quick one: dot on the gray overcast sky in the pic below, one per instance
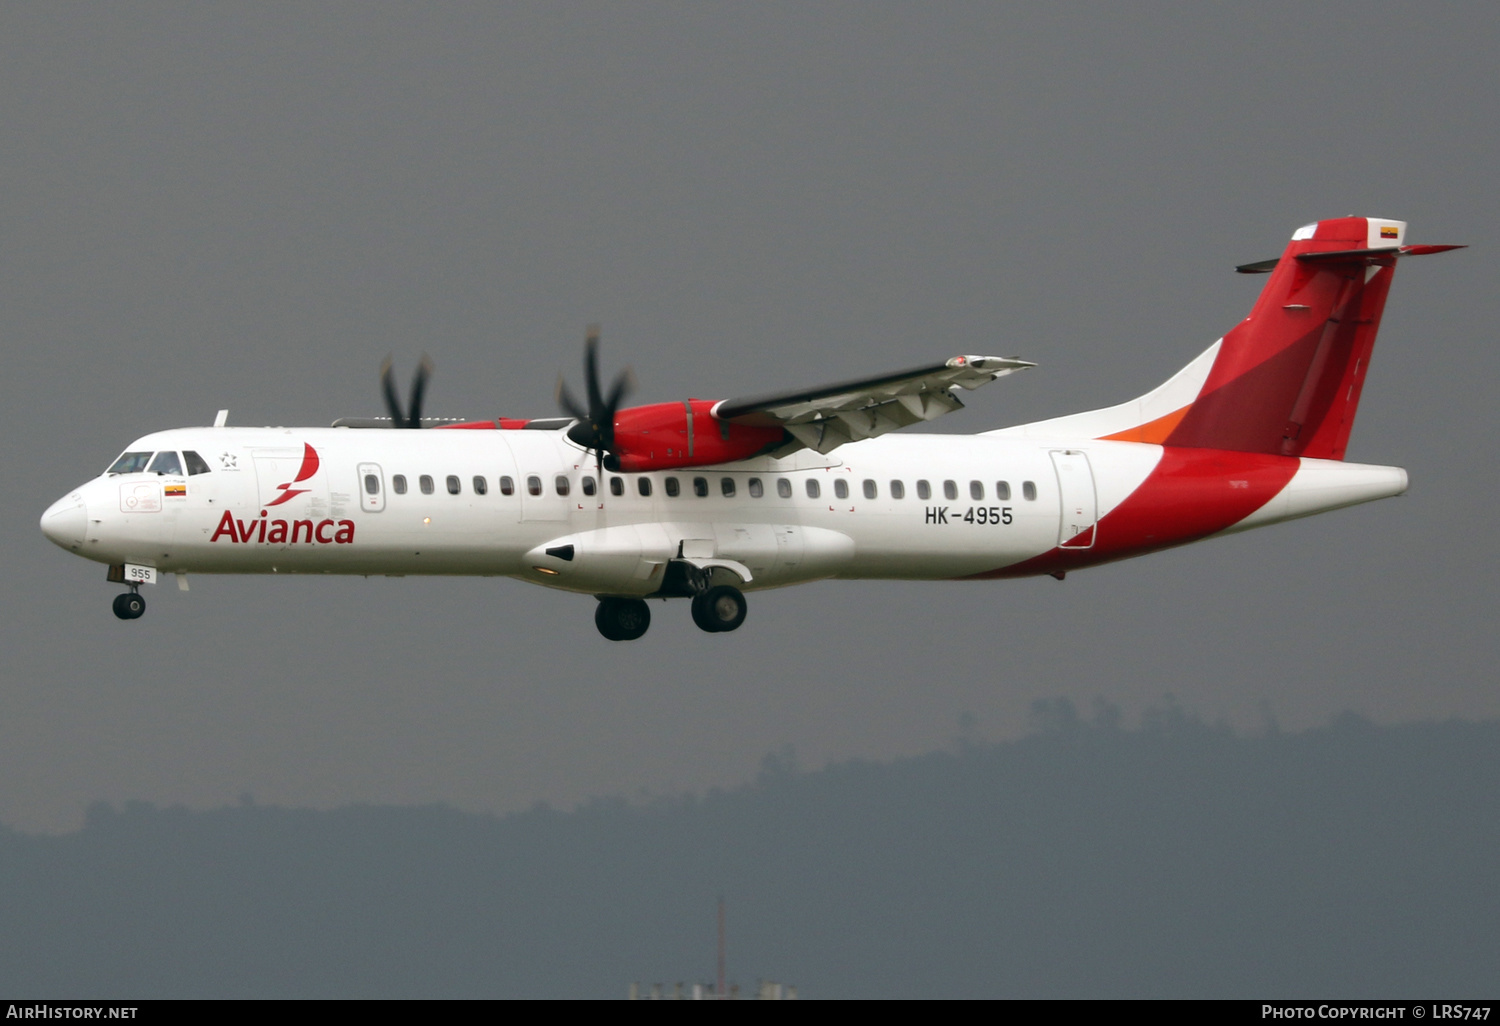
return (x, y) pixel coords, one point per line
(250, 205)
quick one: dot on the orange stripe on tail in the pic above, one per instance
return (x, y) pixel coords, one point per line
(1154, 432)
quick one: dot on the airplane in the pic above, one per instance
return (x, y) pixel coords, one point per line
(706, 500)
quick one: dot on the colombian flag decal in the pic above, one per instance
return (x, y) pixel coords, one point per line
(1387, 232)
(176, 491)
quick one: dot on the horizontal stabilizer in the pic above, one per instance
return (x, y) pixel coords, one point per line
(1267, 266)
(1259, 267)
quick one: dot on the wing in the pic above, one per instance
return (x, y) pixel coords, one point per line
(826, 417)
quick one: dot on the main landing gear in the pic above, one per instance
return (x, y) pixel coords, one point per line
(720, 608)
(716, 610)
(622, 619)
(130, 605)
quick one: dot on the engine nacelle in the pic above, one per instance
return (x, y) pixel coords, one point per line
(663, 436)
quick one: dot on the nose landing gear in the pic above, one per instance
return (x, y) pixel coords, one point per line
(130, 605)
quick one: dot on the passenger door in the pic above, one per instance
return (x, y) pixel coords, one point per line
(371, 488)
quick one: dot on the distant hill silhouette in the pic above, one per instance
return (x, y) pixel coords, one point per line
(1176, 859)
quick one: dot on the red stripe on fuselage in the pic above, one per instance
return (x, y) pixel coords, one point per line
(1191, 494)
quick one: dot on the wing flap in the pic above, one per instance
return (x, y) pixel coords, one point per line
(828, 416)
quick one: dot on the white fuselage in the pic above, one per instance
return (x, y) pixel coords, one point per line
(992, 501)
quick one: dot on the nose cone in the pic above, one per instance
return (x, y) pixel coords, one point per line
(66, 522)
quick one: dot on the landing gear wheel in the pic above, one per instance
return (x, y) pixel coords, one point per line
(129, 606)
(719, 609)
(622, 619)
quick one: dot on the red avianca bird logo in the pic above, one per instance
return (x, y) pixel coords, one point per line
(308, 469)
(287, 532)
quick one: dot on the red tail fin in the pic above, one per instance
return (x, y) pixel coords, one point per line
(1287, 378)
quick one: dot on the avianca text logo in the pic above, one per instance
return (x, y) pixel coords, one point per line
(282, 532)
(308, 469)
(259, 530)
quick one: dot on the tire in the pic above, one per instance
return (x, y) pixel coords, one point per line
(604, 619)
(129, 606)
(719, 609)
(622, 619)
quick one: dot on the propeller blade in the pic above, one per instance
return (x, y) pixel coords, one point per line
(399, 417)
(591, 368)
(418, 388)
(567, 402)
(623, 386)
(392, 401)
(595, 430)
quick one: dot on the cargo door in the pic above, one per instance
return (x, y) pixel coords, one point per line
(1078, 501)
(509, 487)
(548, 484)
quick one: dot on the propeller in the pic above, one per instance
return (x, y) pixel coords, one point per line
(393, 401)
(596, 423)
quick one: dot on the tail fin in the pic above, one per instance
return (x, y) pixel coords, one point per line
(1286, 380)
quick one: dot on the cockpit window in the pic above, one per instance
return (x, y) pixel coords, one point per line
(195, 463)
(131, 463)
(165, 463)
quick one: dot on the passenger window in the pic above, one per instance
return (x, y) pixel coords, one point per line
(130, 463)
(195, 463)
(372, 484)
(924, 490)
(560, 482)
(813, 491)
(643, 485)
(480, 485)
(165, 463)
(840, 488)
(700, 487)
(1002, 490)
(976, 489)
(783, 488)
(726, 485)
(870, 491)
(950, 489)
(507, 486)
(425, 481)
(898, 490)
(398, 484)
(755, 488)
(453, 486)
(617, 486)
(533, 485)
(672, 487)
(1028, 489)
(589, 488)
